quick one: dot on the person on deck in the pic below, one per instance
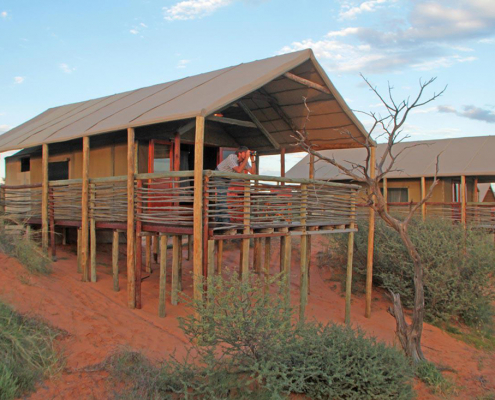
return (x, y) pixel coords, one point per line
(237, 162)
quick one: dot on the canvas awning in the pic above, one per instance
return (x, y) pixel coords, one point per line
(275, 100)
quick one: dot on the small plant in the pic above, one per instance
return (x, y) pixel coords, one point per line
(27, 353)
(246, 344)
(428, 373)
(18, 244)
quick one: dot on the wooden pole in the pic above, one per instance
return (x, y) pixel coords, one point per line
(257, 255)
(92, 241)
(79, 264)
(175, 270)
(147, 254)
(198, 209)
(350, 255)
(51, 213)
(266, 264)
(287, 266)
(131, 237)
(246, 231)
(303, 292)
(85, 210)
(44, 199)
(115, 260)
(211, 258)
(163, 275)
(463, 200)
(189, 246)
(219, 257)
(282, 163)
(155, 241)
(180, 263)
(371, 240)
(282, 252)
(138, 249)
(423, 195)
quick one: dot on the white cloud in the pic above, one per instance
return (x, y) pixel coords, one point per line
(4, 14)
(19, 79)
(4, 128)
(66, 68)
(471, 112)
(193, 9)
(430, 37)
(182, 63)
(143, 25)
(349, 12)
(487, 41)
(134, 31)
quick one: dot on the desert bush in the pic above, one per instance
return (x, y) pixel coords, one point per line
(246, 344)
(27, 353)
(25, 249)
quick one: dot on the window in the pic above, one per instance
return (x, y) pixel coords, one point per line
(58, 171)
(398, 195)
(25, 164)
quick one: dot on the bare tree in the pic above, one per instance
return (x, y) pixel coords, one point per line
(389, 128)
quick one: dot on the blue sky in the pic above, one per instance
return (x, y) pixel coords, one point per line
(61, 51)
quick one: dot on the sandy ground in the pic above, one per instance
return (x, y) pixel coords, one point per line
(98, 322)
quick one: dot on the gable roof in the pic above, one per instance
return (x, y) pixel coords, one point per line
(198, 95)
(470, 156)
(483, 189)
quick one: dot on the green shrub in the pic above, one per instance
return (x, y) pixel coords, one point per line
(458, 267)
(428, 373)
(246, 344)
(26, 353)
(16, 244)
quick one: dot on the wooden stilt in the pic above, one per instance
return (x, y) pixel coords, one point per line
(266, 264)
(138, 265)
(423, 195)
(79, 264)
(257, 255)
(219, 258)
(92, 238)
(155, 240)
(198, 209)
(53, 246)
(175, 270)
(85, 211)
(131, 266)
(44, 199)
(348, 282)
(371, 240)
(246, 231)
(180, 263)
(287, 265)
(64, 236)
(211, 258)
(115, 260)
(148, 254)
(282, 252)
(303, 291)
(163, 275)
(189, 246)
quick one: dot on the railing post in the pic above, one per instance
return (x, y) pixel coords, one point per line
(85, 210)
(350, 254)
(131, 237)
(247, 229)
(44, 199)
(304, 255)
(198, 209)
(371, 240)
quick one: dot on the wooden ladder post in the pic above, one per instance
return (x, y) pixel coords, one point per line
(85, 211)
(175, 270)
(247, 230)
(371, 240)
(350, 254)
(44, 199)
(303, 293)
(92, 227)
(163, 276)
(115, 260)
(131, 234)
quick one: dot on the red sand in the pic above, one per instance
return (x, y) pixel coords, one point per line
(98, 321)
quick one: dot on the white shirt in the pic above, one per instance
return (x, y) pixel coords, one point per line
(229, 163)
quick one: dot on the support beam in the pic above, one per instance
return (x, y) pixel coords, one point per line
(176, 248)
(186, 128)
(307, 83)
(266, 264)
(257, 255)
(85, 210)
(92, 238)
(259, 125)
(44, 199)
(287, 266)
(163, 276)
(423, 195)
(278, 109)
(147, 254)
(198, 209)
(282, 164)
(131, 234)
(231, 121)
(463, 200)
(219, 257)
(371, 240)
(79, 240)
(115, 260)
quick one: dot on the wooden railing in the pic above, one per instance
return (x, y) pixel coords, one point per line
(231, 201)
